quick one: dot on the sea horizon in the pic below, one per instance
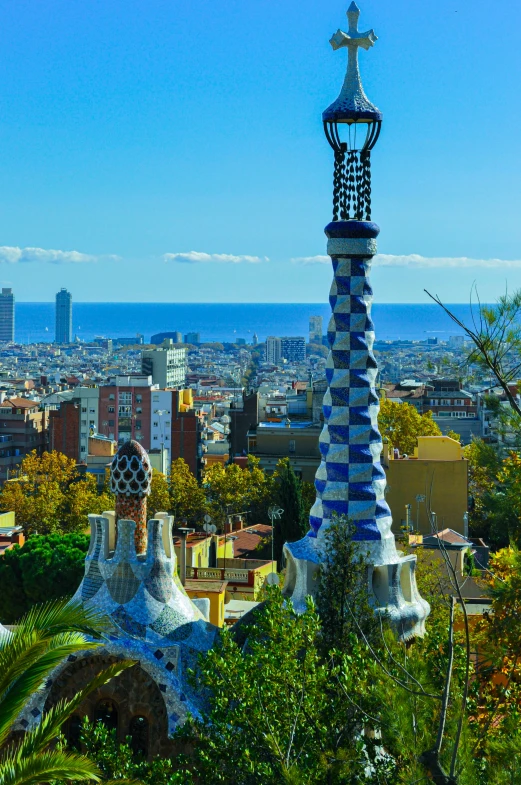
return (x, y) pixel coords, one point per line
(34, 321)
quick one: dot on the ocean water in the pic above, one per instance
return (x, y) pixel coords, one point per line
(227, 322)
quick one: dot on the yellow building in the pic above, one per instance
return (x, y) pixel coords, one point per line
(203, 550)
(215, 591)
(435, 478)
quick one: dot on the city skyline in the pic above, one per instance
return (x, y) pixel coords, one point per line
(115, 168)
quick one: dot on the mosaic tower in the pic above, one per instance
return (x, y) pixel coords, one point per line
(350, 479)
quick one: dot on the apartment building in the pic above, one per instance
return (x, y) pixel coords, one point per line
(22, 429)
(134, 408)
(6, 316)
(74, 421)
(166, 365)
(292, 349)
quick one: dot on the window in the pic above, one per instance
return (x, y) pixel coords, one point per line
(167, 424)
(73, 730)
(156, 425)
(107, 713)
(155, 437)
(112, 397)
(84, 410)
(292, 445)
(155, 398)
(111, 409)
(139, 410)
(111, 423)
(138, 425)
(459, 402)
(138, 732)
(84, 422)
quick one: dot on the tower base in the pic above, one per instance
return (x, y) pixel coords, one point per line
(393, 592)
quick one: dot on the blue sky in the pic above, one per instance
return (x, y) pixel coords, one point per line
(134, 133)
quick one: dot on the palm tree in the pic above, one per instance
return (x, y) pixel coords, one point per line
(43, 638)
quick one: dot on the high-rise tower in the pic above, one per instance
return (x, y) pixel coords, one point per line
(63, 332)
(350, 480)
(7, 316)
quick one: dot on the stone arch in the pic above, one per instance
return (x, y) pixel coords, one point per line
(134, 692)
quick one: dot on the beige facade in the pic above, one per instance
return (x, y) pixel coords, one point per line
(298, 442)
(439, 472)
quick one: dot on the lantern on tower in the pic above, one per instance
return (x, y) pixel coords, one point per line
(352, 127)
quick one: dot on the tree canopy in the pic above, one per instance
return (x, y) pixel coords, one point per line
(52, 496)
(401, 424)
(49, 566)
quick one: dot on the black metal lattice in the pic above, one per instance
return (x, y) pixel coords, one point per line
(352, 185)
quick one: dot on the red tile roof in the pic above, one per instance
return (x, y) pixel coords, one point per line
(20, 403)
(247, 539)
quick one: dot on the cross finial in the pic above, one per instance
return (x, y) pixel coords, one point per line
(352, 105)
(353, 37)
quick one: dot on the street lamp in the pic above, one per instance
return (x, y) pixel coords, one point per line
(160, 413)
(274, 513)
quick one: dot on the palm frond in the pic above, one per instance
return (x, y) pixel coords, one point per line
(47, 766)
(63, 615)
(44, 637)
(38, 739)
(14, 700)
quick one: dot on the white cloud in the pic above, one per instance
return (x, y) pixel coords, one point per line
(198, 257)
(415, 260)
(13, 255)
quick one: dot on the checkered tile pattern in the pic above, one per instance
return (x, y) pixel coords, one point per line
(350, 479)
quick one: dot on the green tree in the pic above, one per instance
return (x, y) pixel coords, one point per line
(401, 424)
(293, 522)
(52, 496)
(117, 761)
(236, 489)
(279, 713)
(495, 493)
(496, 338)
(309, 494)
(40, 641)
(82, 499)
(187, 499)
(50, 566)
(159, 499)
(343, 595)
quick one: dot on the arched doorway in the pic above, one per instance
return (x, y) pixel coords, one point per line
(138, 732)
(133, 693)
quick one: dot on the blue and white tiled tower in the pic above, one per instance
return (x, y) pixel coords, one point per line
(350, 479)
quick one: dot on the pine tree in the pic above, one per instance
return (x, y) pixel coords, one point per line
(292, 524)
(343, 592)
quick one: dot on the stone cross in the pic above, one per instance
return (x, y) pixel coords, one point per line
(353, 39)
(352, 101)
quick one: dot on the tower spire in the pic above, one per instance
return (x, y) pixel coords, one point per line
(350, 480)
